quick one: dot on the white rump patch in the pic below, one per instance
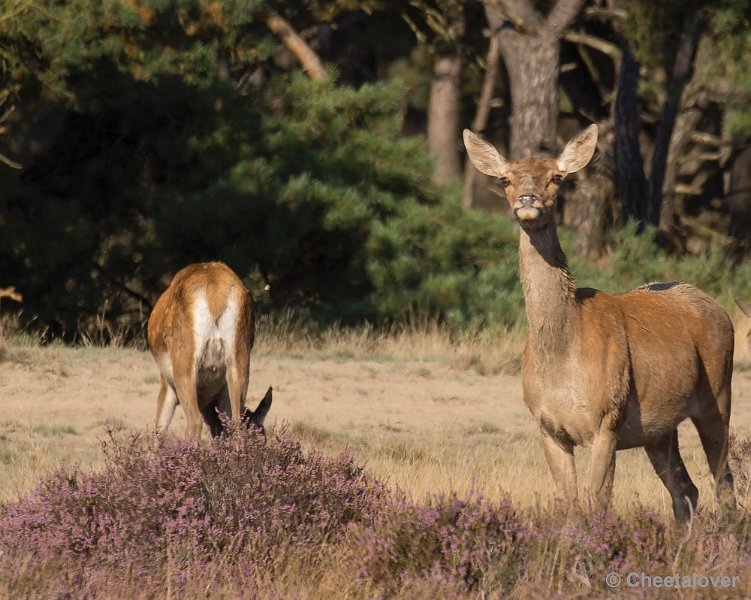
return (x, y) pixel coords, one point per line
(214, 340)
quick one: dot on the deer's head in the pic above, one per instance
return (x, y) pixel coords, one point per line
(532, 184)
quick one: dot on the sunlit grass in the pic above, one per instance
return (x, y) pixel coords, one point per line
(486, 350)
(423, 408)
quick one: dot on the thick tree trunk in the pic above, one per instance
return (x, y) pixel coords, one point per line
(532, 62)
(444, 105)
(632, 183)
(592, 208)
(530, 46)
(680, 76)
(590, 214)
(686, 123)
(443, 117)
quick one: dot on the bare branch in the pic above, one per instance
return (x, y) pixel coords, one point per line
(294, 43)
(11, 293)
(483, 111)
(599, 44)
(520, 12)
(11, 163)
(605, 14)
(561, 16)
(702, 137)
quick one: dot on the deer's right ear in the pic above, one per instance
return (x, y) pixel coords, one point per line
(484, 156)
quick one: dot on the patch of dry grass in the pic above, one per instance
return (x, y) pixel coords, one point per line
(486, 350)
(429, 410)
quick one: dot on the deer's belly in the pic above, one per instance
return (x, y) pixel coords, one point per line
(644, 424)
(209, 382)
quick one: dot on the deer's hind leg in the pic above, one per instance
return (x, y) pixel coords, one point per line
(667, 462)
(233, 399)
(185, 386)
(712, 419)
(714, 431)
(165, 405)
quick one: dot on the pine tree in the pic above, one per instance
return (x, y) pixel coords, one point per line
(171, 135)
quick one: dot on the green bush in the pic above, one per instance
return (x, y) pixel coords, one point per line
(636, 260)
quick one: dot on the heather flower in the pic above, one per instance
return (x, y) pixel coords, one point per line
(177, 508)
(226, 518)
(451, 541)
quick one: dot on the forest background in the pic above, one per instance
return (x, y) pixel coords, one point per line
(315, 146)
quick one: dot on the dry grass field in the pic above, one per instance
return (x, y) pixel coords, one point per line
(427, 412)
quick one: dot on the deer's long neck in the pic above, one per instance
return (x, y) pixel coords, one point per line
(549, 289)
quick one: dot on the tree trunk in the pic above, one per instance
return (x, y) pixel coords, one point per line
(591, 209)
(531, 53)
(679, 77)
(443, 117)
(686, 123)
(481, 115)
(532, 63)
(590, 214)
(632, 184)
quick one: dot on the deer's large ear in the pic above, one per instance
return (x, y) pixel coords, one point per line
(484, 156)
(578, 152)
(259, 415)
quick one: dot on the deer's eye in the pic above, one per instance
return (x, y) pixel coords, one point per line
(505, 181)
(557, 179)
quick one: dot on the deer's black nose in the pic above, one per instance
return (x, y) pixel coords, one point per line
(526, 199)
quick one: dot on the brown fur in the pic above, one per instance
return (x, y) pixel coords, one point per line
(205, 302)
(612, 371)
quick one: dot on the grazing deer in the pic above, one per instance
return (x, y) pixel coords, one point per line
(201, 333)
(745, 306)
(612, 371)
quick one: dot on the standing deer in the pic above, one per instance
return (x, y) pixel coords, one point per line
(201, 333)
(612, 371)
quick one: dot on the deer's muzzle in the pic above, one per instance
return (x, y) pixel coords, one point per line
(527, 207)
(526, 199)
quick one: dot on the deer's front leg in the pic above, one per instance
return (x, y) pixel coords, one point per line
(603, 467)
(561, 462)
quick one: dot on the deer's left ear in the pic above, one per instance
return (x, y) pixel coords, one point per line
(578, 152)
(259, 415)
